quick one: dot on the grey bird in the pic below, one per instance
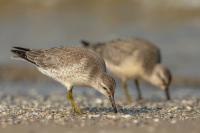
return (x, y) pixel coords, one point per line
(133, 58)
(71, 66)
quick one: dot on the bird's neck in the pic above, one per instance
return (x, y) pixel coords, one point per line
(148, 76)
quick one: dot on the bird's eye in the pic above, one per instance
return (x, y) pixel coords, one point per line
(105, 88)
(107, 91)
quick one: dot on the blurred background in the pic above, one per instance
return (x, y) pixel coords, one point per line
(174, 26)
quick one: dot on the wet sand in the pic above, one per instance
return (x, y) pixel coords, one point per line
(162, 127)
(51, 113)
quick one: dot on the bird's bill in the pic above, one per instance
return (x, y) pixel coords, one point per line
(167, 93)
(112, 100)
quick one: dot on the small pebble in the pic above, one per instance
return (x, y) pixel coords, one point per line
(156, 120)
(173, 121)
(26, 109)
(126, 116)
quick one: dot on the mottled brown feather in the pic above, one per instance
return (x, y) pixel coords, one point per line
(61, 57)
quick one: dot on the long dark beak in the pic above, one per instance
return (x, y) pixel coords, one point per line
(167, 93)
(112, 100)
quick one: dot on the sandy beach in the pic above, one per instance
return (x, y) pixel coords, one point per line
(51, 113)
(161, 127)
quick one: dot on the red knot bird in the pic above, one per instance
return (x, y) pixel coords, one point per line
(136, 59)
(71, 66)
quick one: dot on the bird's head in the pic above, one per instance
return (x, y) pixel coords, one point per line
(161, 77)
(106, 86)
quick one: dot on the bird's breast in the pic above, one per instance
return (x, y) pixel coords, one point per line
(127, 69)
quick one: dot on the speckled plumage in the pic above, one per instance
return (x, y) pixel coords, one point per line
(71, 66)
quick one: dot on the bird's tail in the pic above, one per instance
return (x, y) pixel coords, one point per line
(20, 53)
(85, 43)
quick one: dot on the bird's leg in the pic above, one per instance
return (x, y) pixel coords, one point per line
(167, 93)
(139, 96)
(125, 88)
(73, 103)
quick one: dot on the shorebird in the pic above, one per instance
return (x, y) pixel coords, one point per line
(136, 59)
(71, 66)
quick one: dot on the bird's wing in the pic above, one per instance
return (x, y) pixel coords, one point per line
(45, 58)
(117, 51)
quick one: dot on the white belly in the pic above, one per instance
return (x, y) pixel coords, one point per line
(125, 70)
(66, 77)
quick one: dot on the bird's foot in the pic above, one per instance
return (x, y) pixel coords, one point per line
(77, 110)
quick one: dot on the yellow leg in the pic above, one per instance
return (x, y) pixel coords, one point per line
(73, 103)
(125, 88)
(139, 97)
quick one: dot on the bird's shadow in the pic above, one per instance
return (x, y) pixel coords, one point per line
(122, 110)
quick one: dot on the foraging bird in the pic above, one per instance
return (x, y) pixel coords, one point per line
(136, 59)
(71, 66)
